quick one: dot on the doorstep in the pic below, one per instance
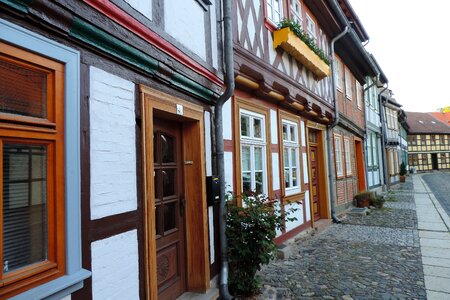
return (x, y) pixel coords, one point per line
(211, 294)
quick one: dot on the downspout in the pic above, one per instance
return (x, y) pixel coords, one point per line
(229, 83)
(331, 176)
(383, 137)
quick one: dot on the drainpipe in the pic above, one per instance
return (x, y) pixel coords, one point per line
(331, 176)
(229, 83)
(383, 137)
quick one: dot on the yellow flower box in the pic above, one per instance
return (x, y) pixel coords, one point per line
(293, 45)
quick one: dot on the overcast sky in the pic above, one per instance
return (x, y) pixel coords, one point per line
(411, 41)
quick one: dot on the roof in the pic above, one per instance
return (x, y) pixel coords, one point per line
(425, 123)
(443, 117)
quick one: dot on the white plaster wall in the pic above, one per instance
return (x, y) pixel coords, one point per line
(305, 167)
(273, 127)
(115, 269)
(303, 133)
(227, 121)
(113, 149)
(307, 206)
(208, 149)
(214, 53)
(228, 158)
(185, 21)
(275, 171)
(142, 6)
(297, 214)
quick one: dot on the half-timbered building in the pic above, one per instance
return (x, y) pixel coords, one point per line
(428, 142)
(105, 143)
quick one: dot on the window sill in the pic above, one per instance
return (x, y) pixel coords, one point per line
(56, 289)
(299, 197)
(270, 25)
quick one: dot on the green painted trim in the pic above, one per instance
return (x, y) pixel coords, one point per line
(104, 41)
(191, 86)
(21, 5)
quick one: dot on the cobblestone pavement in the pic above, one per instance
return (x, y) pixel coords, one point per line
(370, 257)
(439, 183)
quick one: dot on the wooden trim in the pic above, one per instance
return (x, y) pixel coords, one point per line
(311, 208)
(197, 239)
(323, 179)
(241, 103)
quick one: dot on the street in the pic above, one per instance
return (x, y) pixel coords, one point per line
(439, 183)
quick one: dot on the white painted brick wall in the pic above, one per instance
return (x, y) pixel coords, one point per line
(115, 269)
(113, 148)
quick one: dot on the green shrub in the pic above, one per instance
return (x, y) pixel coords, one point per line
(377, 201)
(251, 230)
(402, 169)
(363, 199)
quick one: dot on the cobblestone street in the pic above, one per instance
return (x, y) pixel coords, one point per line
(439, 183)
(366, 257)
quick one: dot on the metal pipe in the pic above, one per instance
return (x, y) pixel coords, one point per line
(229, 83)
(331, 176)
(383, 138)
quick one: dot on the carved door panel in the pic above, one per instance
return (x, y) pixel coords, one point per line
(169, 210)
(314, 181)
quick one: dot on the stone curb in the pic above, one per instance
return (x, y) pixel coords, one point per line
(442, 213)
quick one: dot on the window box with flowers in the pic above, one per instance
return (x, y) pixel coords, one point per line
(291, 37)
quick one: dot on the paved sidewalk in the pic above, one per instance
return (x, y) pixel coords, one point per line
(434, 233)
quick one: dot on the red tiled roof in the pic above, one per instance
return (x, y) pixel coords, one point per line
(425, 123)
(443, 117)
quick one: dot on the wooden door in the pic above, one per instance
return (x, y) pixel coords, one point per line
(314, 165)
(169, 210)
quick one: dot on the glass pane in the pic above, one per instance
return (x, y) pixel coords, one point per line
(293, 157)
(245, 126)
(294, 177)
(22, 91)
(170, 216)
(287, 181)
(24, 205)
(286, 157)
(292, 131)
(167, 144)
(259, 182)
(168, 182)
(158, 220)
(157, 183)
(257, 128)
(285, 132)
(246, 181)
(258, 158)
(245, 158)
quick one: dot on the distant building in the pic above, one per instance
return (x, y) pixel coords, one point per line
(428, 142)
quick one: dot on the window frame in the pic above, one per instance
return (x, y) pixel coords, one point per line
(348, 84)
(338, 72)
(74, 275)
(358, 95)
(291, 145)
(294, 15)
(339, 164)
(308, 21)
(269, 7)
(347, 155)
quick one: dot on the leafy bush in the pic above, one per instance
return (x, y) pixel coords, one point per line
(251, 230)
(377, 201)
(402, 169)
(363, 199)
(296, 28)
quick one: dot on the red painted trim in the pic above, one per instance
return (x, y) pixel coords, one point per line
(292, 233)
(121, 17)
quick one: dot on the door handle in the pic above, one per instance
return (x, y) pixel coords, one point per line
(182, 206)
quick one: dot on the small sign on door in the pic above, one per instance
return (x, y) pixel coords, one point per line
(179, 109)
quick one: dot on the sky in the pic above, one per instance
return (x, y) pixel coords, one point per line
(410, 40)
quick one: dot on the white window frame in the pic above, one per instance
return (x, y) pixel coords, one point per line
(338, 74)
(338, 156)
(348, 163)
(295, 15)
(272, 11)
(358, 95)
(253, 143)
(291, 145)
(311, 26)
(348, 84)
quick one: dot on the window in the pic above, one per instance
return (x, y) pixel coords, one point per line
(348, 162)
(432, 139)
(311, 27)
(358, 95)
(412, 140)
(291, 157)
(338, 73)
(40, 146)
(348, 84)
(338, 155)
(274, 10)
(296, 11)
(372, 152)
(253, 152)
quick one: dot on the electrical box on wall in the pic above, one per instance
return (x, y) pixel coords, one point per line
(212, 190)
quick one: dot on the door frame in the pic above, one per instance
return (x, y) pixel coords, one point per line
(361, 173)
(323, 197)
(193, 158)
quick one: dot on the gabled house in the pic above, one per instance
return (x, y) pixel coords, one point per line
(105, 142)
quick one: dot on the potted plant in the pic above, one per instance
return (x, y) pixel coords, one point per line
(377, 201)
(402, 172)
(363, 199)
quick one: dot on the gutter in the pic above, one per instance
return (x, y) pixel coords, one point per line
(229, 83)
(331, 176)
(383, 138)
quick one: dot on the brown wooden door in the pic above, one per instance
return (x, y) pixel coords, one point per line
(169, 210)
(314, 164)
